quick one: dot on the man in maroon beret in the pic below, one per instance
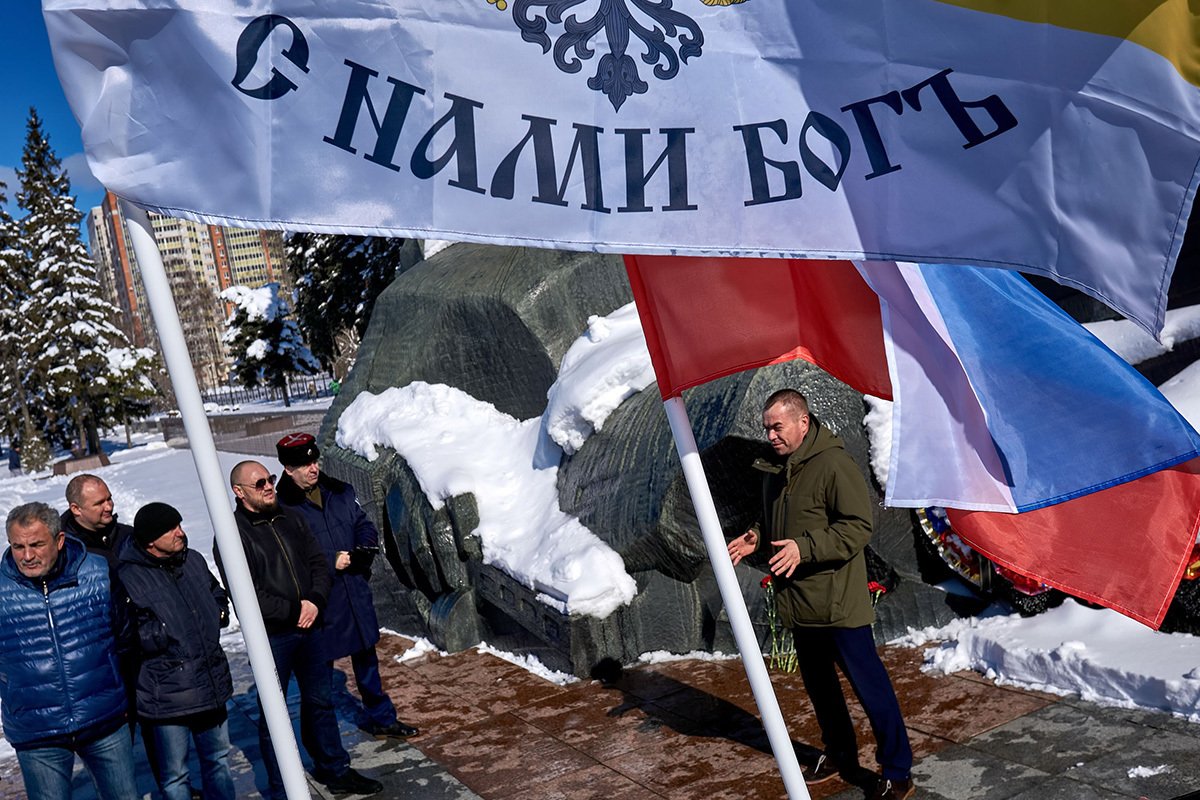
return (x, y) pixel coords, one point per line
(350, 542)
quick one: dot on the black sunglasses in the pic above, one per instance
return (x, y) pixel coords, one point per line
(261, 483)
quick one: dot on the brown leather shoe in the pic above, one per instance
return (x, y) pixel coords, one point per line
(893, 790)
(823, 770)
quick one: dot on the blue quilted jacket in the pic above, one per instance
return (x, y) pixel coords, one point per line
(59, 675)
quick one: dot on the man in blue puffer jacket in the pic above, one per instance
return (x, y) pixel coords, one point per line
(350, 541)
(59, 678)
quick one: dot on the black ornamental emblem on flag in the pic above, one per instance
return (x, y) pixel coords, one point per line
(661, 38)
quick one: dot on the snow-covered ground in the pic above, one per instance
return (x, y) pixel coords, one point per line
(1097, 654)
(1074, 649)
(149, 471)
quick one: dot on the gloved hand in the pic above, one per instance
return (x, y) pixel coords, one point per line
(361, 559)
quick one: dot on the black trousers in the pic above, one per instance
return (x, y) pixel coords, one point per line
(820, 651)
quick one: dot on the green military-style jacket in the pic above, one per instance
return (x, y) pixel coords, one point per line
(819, 498)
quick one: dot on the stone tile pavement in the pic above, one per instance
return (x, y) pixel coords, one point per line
(688, 729)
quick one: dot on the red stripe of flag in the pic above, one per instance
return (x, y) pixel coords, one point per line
(1124, 547)
(709, 317)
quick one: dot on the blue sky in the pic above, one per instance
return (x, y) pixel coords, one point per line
(30, 80)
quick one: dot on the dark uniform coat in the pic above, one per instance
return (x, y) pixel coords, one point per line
(340, 524)
(286, 565)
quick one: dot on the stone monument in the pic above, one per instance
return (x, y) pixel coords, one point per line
(495, 322)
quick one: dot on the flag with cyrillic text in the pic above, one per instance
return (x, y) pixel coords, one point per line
(1056, 138)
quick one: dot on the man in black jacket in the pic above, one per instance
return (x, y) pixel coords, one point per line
(90, 519)
(291, 581)
(176, 609)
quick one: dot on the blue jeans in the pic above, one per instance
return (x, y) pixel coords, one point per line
(109, 760)
(818, 650)
(376, 703)
(296, 654)
(171, 740)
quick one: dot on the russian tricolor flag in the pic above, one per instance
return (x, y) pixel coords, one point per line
(1062, 462)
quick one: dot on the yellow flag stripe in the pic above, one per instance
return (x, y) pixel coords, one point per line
(1170, 28)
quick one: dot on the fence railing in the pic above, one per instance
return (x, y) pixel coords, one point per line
(300, 387)
(250, 433)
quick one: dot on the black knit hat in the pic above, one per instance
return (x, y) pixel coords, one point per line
(152, 521)
(297, 450)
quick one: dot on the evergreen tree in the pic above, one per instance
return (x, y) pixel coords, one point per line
(15, 421)
(130, 386)
(69, 323)
(35, 453)
(337, 281)
(265, 343)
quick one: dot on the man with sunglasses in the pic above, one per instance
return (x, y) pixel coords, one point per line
(291, 581)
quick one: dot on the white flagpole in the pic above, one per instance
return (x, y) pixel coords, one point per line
(735, 604)
(216, 496)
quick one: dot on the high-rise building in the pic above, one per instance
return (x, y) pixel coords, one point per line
(201, 261)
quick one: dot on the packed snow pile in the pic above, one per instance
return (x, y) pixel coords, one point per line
(456, 444)
(1133, 344)
(259, 304)
(1098, 654)
(1149, 772)
(606, 365)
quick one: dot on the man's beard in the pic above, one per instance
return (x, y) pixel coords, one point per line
(261, 506)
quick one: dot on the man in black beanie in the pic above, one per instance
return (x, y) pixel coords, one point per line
(176, 608)
(350, 541)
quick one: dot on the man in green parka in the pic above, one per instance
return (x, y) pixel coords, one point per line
(817, 518)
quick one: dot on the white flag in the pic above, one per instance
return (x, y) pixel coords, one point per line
(1062, 141)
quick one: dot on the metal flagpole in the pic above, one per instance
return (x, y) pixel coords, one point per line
(735, 604)
(216, 496)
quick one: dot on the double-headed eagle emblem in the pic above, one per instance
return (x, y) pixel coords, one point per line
(669, 38)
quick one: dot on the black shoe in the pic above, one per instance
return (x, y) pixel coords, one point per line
(398, 729)
(823, 770)
(893, 790)
(353, 782)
